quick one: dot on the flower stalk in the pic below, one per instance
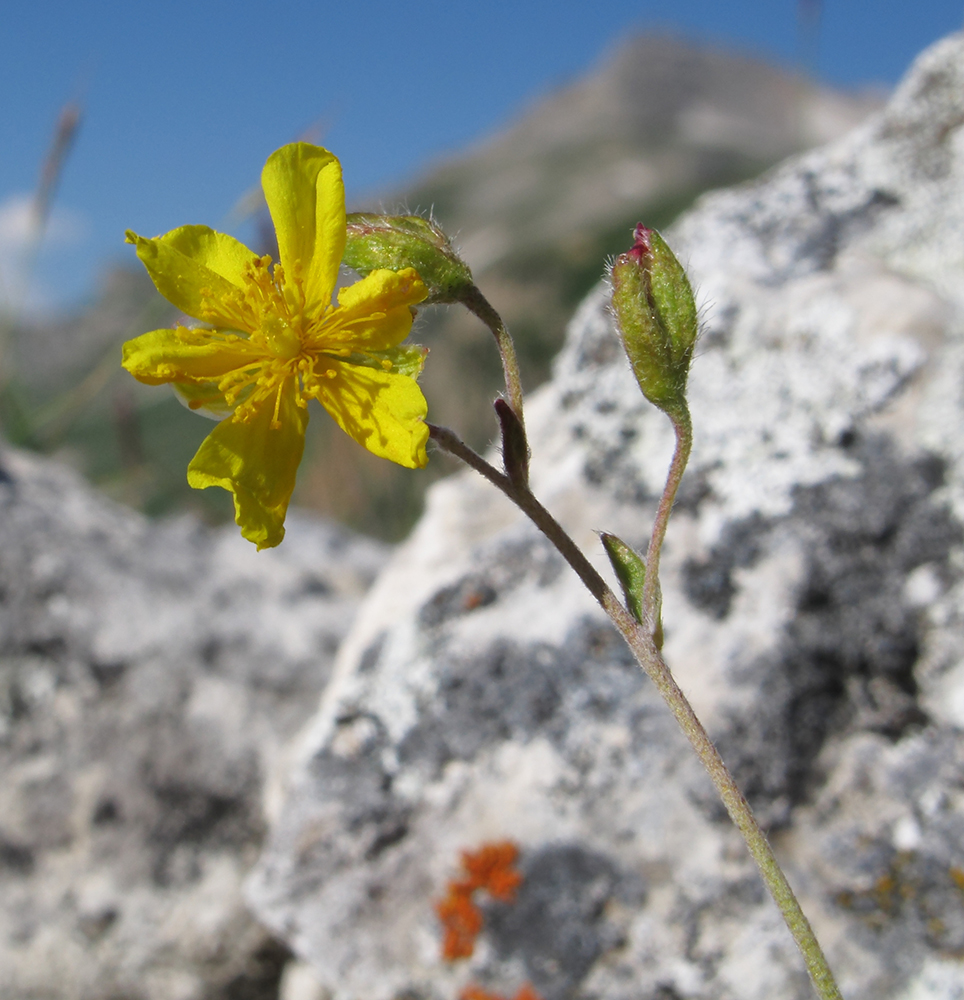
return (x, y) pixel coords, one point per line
(649, 601)
(476, 302)
(639, 636)
(661, 318)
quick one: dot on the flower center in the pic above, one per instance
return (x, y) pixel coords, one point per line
(282, 339)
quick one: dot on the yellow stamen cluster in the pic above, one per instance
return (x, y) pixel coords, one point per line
(286, 344)
(273, 310)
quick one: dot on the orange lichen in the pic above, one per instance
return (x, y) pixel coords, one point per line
(473, 992)
(462, 921)
(489, 869)
(527, 992)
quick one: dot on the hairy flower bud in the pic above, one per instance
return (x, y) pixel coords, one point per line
(656, 317)
(399, 241)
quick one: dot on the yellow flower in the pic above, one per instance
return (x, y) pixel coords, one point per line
(277, 339)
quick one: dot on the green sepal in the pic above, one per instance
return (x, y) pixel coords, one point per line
(630, 569)
(406, 359)
(399, 241)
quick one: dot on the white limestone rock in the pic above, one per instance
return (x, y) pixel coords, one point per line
(150, 677)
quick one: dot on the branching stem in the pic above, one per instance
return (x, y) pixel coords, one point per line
(639, 637)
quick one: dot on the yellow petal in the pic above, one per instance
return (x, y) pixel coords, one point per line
(197, 269)
(382, 290)
(380, 332)
(203, 398)
(306, 197)
(382, 411)
(183, 355)
(406, 359)
(257, 463)
(374, 313)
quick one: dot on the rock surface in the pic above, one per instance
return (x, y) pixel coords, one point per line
(150, 676)
(813, 607)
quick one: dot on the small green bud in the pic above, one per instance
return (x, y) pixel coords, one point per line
(398, 241)
(630, 569)
(656, 317)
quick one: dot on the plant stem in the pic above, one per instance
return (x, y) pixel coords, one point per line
(477, 303)
(639, 638)
(523, 498)
(649, 658)
(683, 427)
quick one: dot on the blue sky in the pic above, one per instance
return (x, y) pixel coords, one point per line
(184, 99)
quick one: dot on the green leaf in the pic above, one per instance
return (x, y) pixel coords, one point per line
(630, 569)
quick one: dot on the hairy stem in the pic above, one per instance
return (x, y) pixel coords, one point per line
(477, 303)
(683, 427)
(639, 638)
(640, 641)
(523, 498)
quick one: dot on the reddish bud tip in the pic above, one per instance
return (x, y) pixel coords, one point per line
(642, 245)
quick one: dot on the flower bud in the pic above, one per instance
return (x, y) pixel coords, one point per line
(656, 317)
(399, 241)
(515, 447)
